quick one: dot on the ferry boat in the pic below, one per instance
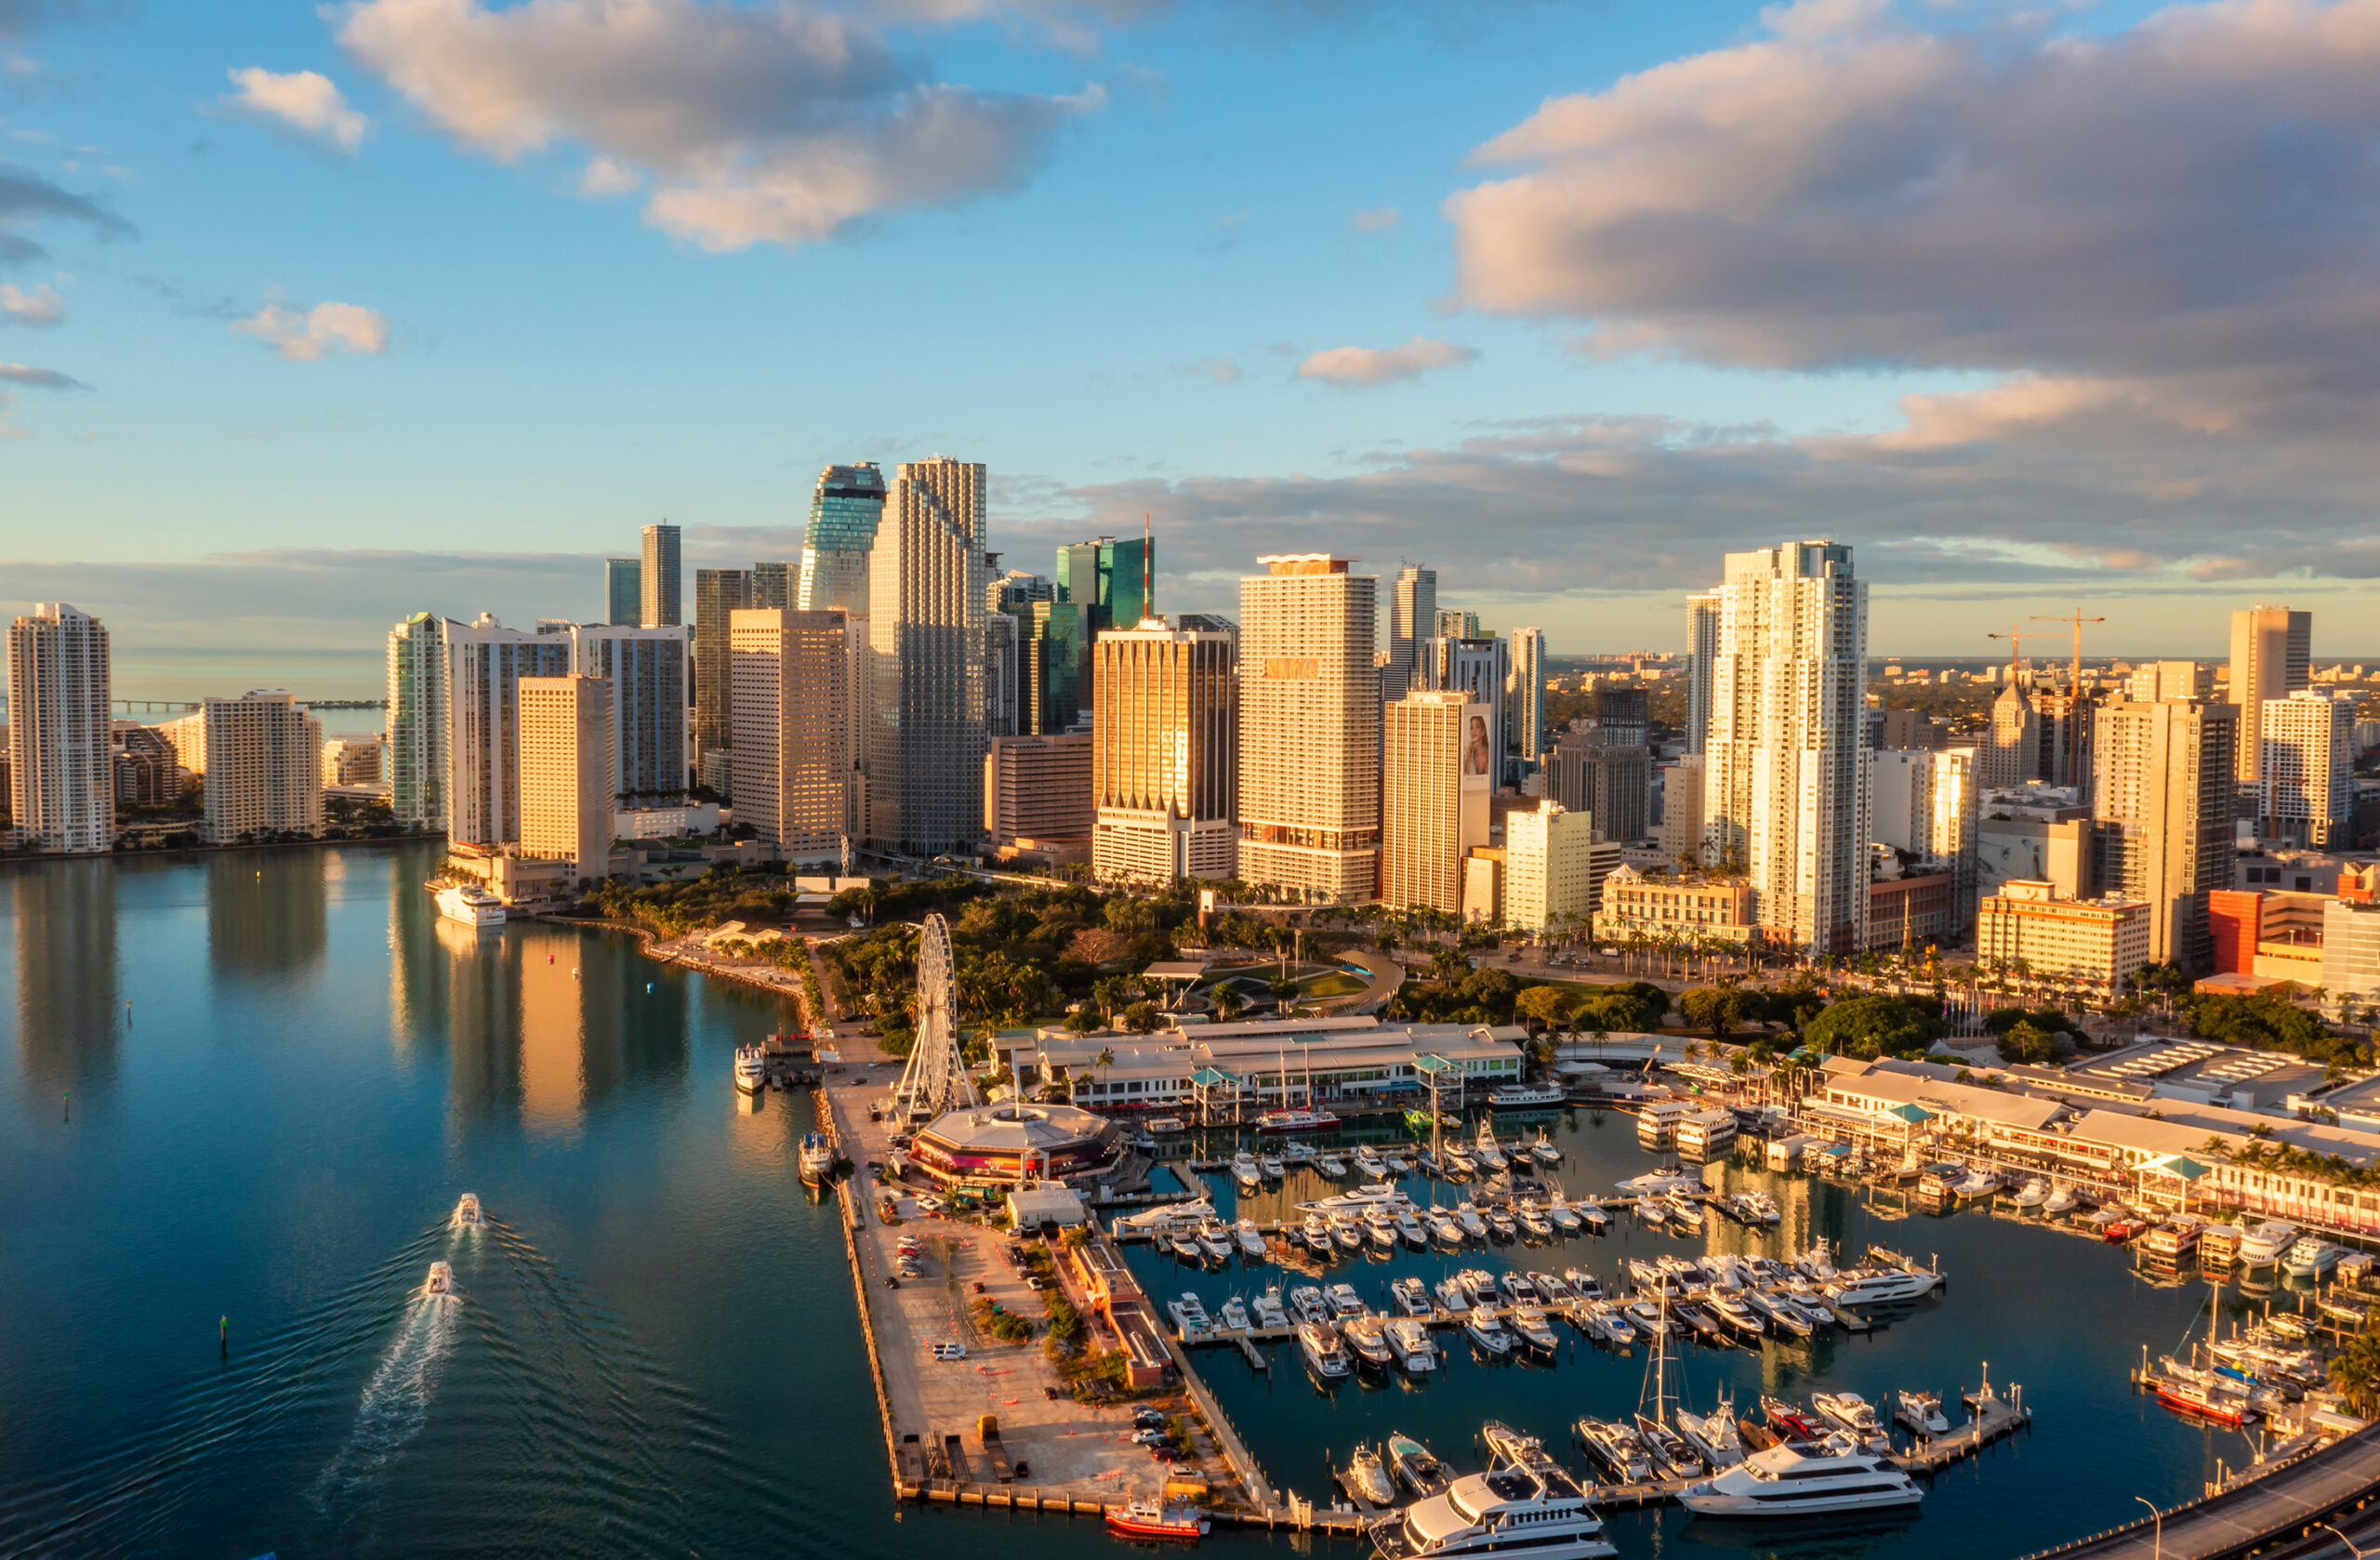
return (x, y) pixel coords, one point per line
(469, 904)
(440, 1281)
(1790, 1481)
(1704, 1134)
(1151, 1519)
(1296, 1121)
(1526, 1096)
(2263, 1244)
(1500, 1512)
(751, 1069)
(817, 1156)
(2171, 1239)
(466, 1213)
(1657, 1122)
(2211, 1397)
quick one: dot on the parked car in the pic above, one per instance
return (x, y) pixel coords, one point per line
(1152, 1437)
(950, 1351)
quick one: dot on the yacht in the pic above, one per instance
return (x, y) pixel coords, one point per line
(1383, 1229)
(1736, 1314)
(1244, 1170)
(1975, 1184)
(2310, 1256)
(1458, 1163)
(1270, 1167)
(817, 1158)
(1270, 1314)
(1614, 1447)
(1367, 1477)
(1584, 1285)
(1592, 1214)
(1333, 1166)
(1516, 1286)
(1296, 1121)
(1189, 1314)
(1410, 1296)
(1545, 1151)
(1671, 1452)
(1790, 1481)
(1713, 1434)
(1344, 1302)
(1534, 1223)
(1409, 1340)
(1921, 1413)
(1233, 1315)
(2032, 1194)
(1214, 1240)
(1305, 1301)
(1369, 1162)
(466, 1213)
(1488, 1332)
(1165, 1126)
(2263, 1244)
(1165, 1219)
(2063, 1201)
(1881, 1286)
(1368, 1341)
(1317, 1236)
(1530, 1323)
(1857, 1415)
(1684, 1210)
(1614, 1324)
(1549, 1290)
(1416, 1467)
(1250, 1238)
(1323, 1354)
(751, 1068)
(1502, 1224)
(1526, 1096)
(1500, 1512)
(1565, 1219)
(1410, 1230)
(440, 1281)
(1454, 1296)
(1467, 1219)
(1485, 1151)
(1347, 1233)
(1443, 1230)
(470, 904)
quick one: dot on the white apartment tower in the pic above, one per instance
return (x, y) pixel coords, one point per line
(1412, 620)
(567, 763)
(1309, 727)
(646, 671)
(2306, 794)
(1165, 753)
(264, 767)
(1701, 655)
(1550, 877)
(417, 722)
(2162, 804)
(2272, 653)
(927, 576)
(485, 663)
(1528, 704)
(791, 745)
(61, 774)
(1785, 790)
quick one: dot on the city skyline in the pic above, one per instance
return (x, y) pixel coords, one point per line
(275, 425)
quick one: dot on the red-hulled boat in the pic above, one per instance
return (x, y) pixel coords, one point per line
(2202, 1401)
(1790, 1420)
(1150, 1519)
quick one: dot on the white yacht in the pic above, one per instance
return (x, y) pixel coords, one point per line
(440, 1281)
(1787, 1481)
(751, 1068)
(1412, 1296)
(1322, 1351)
(1443, 1230)
(817, 1157)
(1530, 1323)
(1234, 1314)
(1410, 1230)
(1526, 1096)
(1453, 1296)
(1270, 1314)
(1165, 1219)
(1511, 1510)
(2063, 1199)
(1331, 1166)
(2310, 1256)
(1368, 1160)
(2032, 1194)
(1922, 1412)
(466, 1213)
(1244, 1170)
(2263, 1245)
(1305, 1301)
(1250, 1238)
(470, 904)
(1488, 1332)
(1881, 1286)
(1713, 1434)
(1467, 1219)
(1214, 1240)
(1189, 1314)
(1485, 1151)
(1545, 1151)
(1344, 1301)
(1656, 1123)
(1410, 1340)
(1366, 1476)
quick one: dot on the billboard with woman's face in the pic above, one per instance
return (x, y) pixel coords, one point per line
(1478, 756)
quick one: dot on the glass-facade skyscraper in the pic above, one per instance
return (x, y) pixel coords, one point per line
(844, 510)
(624, 591)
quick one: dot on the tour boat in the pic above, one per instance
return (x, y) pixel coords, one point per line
(1706, 1135)
(1323, 1354)
(1510, 1510)
(817, 1156)
(1151, 1519)
(1366, 1476)
(1792, 1481)
(1526, 1096)
(1416, 1467)
(470, 904)
(2263, 1244)
(751, 1068)
(1656, 1123)
(1922, 1412)
(2212, 1398)
(1296, 1121)
(440, 1281)
(1409, 1339)
(466, 1212)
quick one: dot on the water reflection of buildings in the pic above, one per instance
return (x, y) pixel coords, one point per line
(68, 1003)
(266, 911)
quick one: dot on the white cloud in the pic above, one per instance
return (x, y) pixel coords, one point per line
(305, 101)
(1221, 370)
(781, 126)
(605, 176)
(39, 378)
(37, 306)
(1379, 219)
(307, 335)
(1364, 368)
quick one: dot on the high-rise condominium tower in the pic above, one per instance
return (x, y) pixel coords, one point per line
(484, 664)
(790, 744)
(624, 591)
(1528, 693)
(61, 788)
(646, 670)
(2162, 810)
(264, 767)
(1436, 776)
(1785, 793)
(2307, 792)
(1165, 761)
(1309, 727)
(2272, 653)
(566, 762)
(1412, 620)
(926, 734)
(844, 510)
(719, 594)
(1701, 656)
(417, 722)
(657, 579)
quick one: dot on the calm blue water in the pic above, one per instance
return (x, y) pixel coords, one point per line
(284, 1069)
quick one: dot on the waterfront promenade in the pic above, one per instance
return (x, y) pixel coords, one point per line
(2331, 1483)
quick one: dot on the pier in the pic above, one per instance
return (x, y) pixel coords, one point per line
(1989, 1418)
(2285, 1502)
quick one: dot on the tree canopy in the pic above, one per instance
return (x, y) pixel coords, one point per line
(1873, 1027)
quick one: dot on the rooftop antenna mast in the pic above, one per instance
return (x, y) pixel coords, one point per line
(1148, 603)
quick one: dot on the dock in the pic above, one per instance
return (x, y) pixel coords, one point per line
(1991, 1417)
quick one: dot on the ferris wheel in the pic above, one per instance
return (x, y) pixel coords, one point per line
(936, 1079)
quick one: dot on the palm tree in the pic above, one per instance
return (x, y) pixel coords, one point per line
(1228, 1001)
(1105, 1059)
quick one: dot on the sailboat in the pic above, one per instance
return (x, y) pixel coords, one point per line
(1678, 1456)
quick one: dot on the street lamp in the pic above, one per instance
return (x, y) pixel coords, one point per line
(2157, 1542)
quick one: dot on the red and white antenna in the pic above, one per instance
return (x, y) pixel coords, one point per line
(1148, 606)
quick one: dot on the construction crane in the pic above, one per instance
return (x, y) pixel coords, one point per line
(2017, 636)
(2073, 689)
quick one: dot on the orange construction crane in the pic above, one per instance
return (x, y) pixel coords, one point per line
(2074, 688)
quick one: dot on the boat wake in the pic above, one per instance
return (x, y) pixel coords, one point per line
(394, 1406)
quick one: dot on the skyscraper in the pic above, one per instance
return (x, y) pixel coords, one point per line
(926, 730)
(1165, 758)
(484, 664)
(1479, 666)
(624, 591)
(773, 585)
(62, 783)
(264, 767)
(2162, 815)
(566, 770)
(1412, 619)
(844, 510)
(417, 722)
(657, 579)
(2272, 653)
(1436, 777)
(2011, 751)
(1785, 794)
(1054, 675)
(1551, 874)
(2307, 792)
(1701, 656)
(1109, 579)
(1528, 693)
(790, 745)
(646, 669)
(1610, 784)
(1309, 727)
(719, 593)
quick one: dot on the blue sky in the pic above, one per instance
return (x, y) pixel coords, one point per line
(1242, 266)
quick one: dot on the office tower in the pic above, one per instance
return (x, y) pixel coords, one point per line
(2097, 943)
(1003, 674)
(416, 773)
(2272, 653)
(624, 591)
(2011, 752)
(1550, 878)
(566, 785)
(1053, 666)
(1016, 589)
(646, 669)
(2065, 719)
(773, 585)
(1412, 620)
(1623, 718)
(1955, 826)
(485, 663)
(1701, 656)
(2306, 795)
(1480, 666)
(657, 579)
(61, 785)
(1681, 833)
(1165, 766)
(926, 734)
(351, 761)
(264, 768)
(1527, 702)
(719, 593)
(2154, 680)
(1925, 800)
(844, 510)
(1785, 796)
(1437, 773)
(1900, 807)
(1309, 727)
(1109, 579)
(1037, 790)
(2162, 815)
(792, 750)
(1450, 624)
(1610, 784)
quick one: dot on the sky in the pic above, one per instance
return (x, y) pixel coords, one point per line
(314, 316)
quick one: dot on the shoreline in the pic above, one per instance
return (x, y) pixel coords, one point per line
(652, 947)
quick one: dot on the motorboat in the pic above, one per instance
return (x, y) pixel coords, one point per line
(1545, 1151)
(1671, 1453)
(1454, 1296)
(1496, 1513)
(751, 1068)
(1617, 1329)
(466, 1213)
(2062, 1200)
(2265, 1243)
(1189, 1314)
(1331, 1166)
(1323, 1354)
(1167, 1218)
(1592, 1214)
(1582, 1284)
(1857, 1415)
(1790, 1420)
(1706, 1327)
(1344, 1301)
(1485, 1151)
(1760, 1208)
(1617, 1448)
(1529, 1323)
(1410, 1296)
(1787, 1480)
(1233, 1314)
(1508, 1448)
(2032, 1194)
(1975, 1184)
(1458, 1163)
(1549, 1290)
(1365, 1476)
(1410, 1230)
(1481, 1283)
(1366, 1339)
(469, 904)
(1883, 1287)
(1244, 1172)
(1250, 1238)
(1270, 1167)
(1565, 1219)
(1443, 1230)
(1416, 1467)
(1306, 1304)
(1502, 1224)
(1165, 1126)
(1516, 1286)
(1534, 1223)
(440, 1281)
(1467, 1219)
(1382, 1230)
(2311, 1255)
(1397, 1164)
(1185, 1246)
(1409, 1340)
(1270, 1313)
(1368, 1160)
(1347, 1233)
(1684, 1210)
(1526, 1096)
(1153, 1519)
(817, 1159)
(1317, 1236)
(1736, 1314)
(1296, 1121)
(1921, 1413)
(2209, 1396)
(1215, 1240)
(1714, 1436)
(1488, 1332)
(1781, 1311)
